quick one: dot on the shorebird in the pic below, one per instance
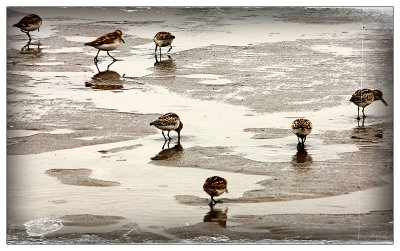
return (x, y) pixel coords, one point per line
(29, 23)
(215, 186)
(365, 97)
(169, 122)
(301, 127)
(162, 39)
(107, 42)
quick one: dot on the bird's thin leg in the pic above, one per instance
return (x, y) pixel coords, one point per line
(179, 136)
(95, 58)
(164, 135)
(170, 47)
(111, 56)
(160, 52)
(305, 137)
(169, 136)
(108, 67)
(212, 202)
(298, 140)
(164, 145)
(155, 50)
(358, 113)
(27, 33)
(363, 113)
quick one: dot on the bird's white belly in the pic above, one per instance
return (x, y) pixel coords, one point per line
(31, 27)
(302, 131)
(213, 192)
(167, 128)
(163, 43)
(364, 103)
(107, 47)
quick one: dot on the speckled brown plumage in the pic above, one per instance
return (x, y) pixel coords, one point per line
(168, 122)
(215, 186)
(107, 38)
(162, 39)
(301, 128)
(107, 42)
(365, 97)
(29, 20)
(29, 23)
(163, 35)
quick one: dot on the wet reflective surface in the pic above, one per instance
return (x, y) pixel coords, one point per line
(82, 158)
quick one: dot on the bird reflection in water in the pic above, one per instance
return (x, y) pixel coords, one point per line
(362, 122)
(167, 65)
(367, 134)
(168, 152)
(30, 48)
(301, 159)
(105, 80)
(217, 215)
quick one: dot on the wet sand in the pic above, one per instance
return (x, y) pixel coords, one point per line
(74, 138)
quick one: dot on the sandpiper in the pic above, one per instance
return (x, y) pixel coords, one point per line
(169, 122)
(301, 127)
(215, 186)
(29, 23)
(162, 39)
(365, 97)
(107, 42)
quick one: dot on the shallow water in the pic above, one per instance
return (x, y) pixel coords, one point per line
(146, 193)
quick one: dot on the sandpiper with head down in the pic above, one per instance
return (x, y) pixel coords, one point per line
(163, 39)
(301, 128)
(107, 42)
(29, 23)
(365, 97)
(169, 122)
(215, 186)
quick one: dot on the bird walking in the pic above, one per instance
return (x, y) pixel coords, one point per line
(163, 39)
(301, 128)
(215, 186)
(29, 23)
(169, 122)
(365, 97)
(107, 42)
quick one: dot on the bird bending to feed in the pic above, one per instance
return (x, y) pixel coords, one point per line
(365, 97)
(107, 42)
(301, 127)
(169, 122)
(29, 23)
(162, 39)
(215, 186)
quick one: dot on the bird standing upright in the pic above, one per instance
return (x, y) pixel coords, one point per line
(301, 128)
(162, 39)
(107, 42)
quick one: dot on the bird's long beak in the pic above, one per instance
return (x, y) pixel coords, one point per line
(122, 40)
(384, 102)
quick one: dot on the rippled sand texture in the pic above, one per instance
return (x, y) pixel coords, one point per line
(85, 167)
